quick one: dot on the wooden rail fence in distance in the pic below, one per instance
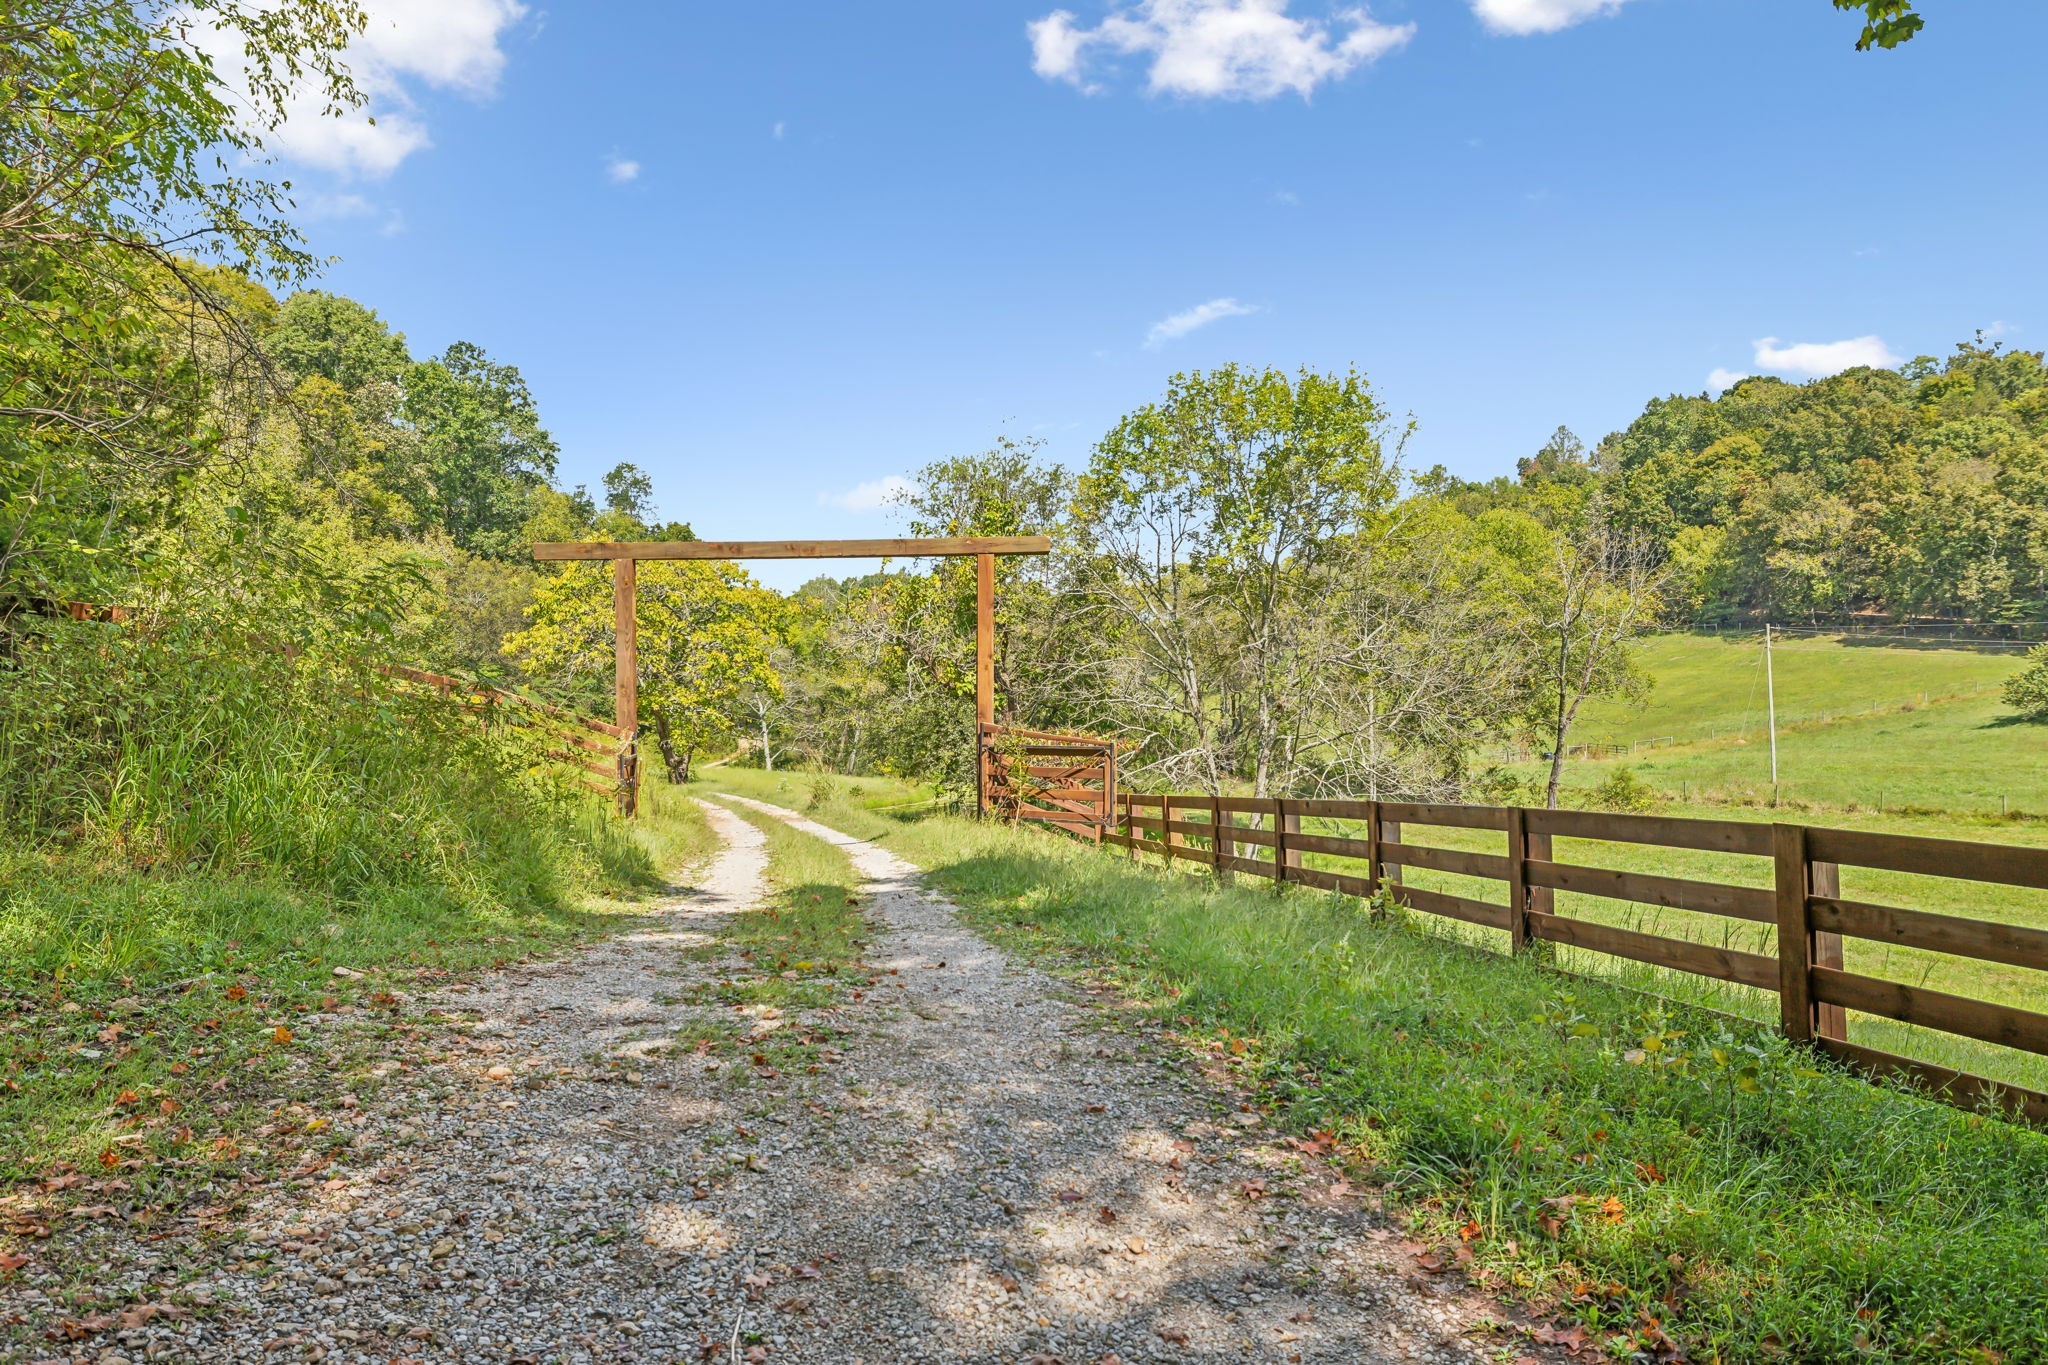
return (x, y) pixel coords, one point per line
(1804, 904)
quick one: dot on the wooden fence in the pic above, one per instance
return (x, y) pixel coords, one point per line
(1066, 781)
(567, 732)
(1804, 904)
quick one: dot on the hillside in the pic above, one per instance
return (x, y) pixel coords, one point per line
(1859, 725)
(1712, 685)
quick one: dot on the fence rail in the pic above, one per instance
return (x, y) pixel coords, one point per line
(1066, 781)
(1804, 904)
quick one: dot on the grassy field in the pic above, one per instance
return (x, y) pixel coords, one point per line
(1640, 1167)
(151, 1024)
(1861, 726)
(1711, 686)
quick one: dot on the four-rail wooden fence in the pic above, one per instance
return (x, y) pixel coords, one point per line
(1804, 904)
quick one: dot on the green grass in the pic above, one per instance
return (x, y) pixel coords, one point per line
(1765, 1207)
(1710, 686)
(797, 952)
(1861, 727)
(151, 1022)
(1968, 756)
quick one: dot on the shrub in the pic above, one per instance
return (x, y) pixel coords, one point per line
(1624, 791)
(2027, 690)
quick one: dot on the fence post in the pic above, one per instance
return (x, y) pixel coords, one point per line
(1829, 1021)
(1130, 830)
(1372, 848)
(1216, 836)
(1795, 933)
(1283, 856)
(1518, 879)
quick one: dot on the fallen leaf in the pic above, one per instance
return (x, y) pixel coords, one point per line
(1173, 1335)
(1106, 1216)
(9, 1262)
(280, 1035)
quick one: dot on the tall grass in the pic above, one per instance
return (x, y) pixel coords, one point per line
(1647, 1169)
(198, 826)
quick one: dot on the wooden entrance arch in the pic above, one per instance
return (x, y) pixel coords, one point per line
(625, 556)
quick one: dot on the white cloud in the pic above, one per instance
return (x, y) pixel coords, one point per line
(1226, 49)
(1817, 358)
(621, 171)
(1522, 17)
(406, 44)
(1201, 315)
(871, 496)
(1720, 381)
(779, 129)
(321, 206)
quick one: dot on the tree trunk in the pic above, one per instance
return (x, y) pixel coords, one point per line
(678, 765)
(767, 754)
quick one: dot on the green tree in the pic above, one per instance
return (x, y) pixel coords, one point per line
(629, 492)
(324, 334)
(121, 156)
(1201, 522)
(2027, 690)
(707, 636)
(482, 442)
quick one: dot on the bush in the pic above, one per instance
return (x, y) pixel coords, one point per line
(2027, 690)
(1624, 791)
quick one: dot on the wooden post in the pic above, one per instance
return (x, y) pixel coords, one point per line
(626, 679)
(1795, 933)
(1518, 880)
(1130, 830)
(1216, 836)
(1829, 1021)
(984, 673)
(1372, 848)
(1284, 857)
(985, 639)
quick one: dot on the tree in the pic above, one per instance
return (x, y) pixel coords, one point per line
(1201, 523)
(1589, 592)
(707, 634)
(120, 149)
(1887, 23)
(629, 492)
(482, 441)
(2027, 690)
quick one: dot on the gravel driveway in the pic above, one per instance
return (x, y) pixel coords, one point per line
(990, 1169)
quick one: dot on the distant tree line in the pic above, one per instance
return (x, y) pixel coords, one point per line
(1916, 492)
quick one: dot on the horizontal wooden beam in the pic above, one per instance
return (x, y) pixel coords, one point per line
(902, 548)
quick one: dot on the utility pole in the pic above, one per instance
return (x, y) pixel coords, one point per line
(1771, 710)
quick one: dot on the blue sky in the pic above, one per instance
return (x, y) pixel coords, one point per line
(775, 253)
